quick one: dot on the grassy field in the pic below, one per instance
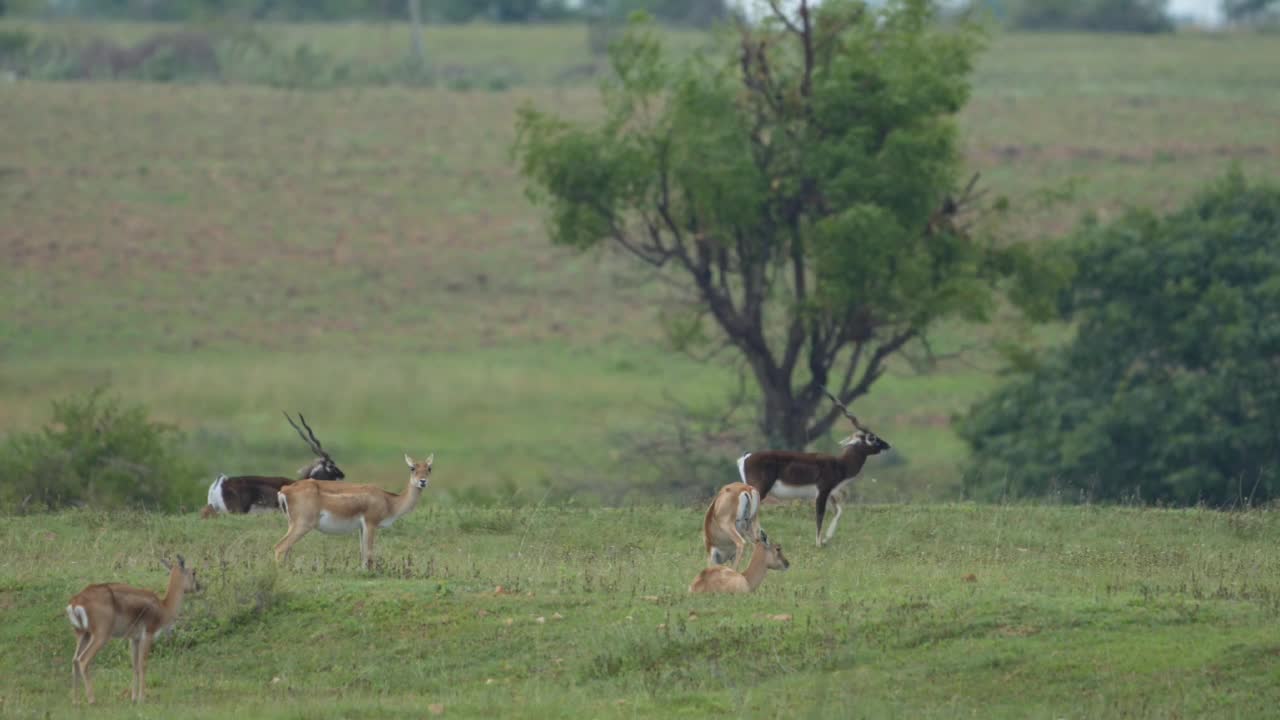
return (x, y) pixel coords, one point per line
(914, 611)
(367, 256)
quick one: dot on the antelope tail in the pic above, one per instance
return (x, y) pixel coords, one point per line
(215, 494)
(78, 617)
(744, 507)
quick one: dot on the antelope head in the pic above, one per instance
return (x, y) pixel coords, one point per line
(773, 557)
(189, 582)
(323, 467)
(868, 440)
(862, 437)
(419, 472)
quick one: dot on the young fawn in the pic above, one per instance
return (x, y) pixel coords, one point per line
(722, 579)
(114, 610)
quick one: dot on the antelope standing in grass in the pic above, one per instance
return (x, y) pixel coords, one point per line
(722, 579)
(812, 476)
(245, 493)
(732, 519)
(336, 508)
(101, 612)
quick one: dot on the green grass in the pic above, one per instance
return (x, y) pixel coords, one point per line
(367, 256)
(913, 611)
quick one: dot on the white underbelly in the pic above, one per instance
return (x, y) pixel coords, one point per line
(783, 491)
(333, 525)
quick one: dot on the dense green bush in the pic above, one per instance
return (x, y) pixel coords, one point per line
(98, 452)
(1168, 392)
(1136, 16)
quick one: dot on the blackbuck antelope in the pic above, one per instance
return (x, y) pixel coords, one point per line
(245, 493)
(732, 521)
(336, 508)
(812, 476)
(112, 610)
(722, 579)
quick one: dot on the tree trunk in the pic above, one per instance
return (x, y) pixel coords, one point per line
(415, 21)
(786, 419)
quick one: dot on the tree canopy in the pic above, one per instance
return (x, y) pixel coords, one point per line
(1168, 391)
(802, 184)
(1132, 16)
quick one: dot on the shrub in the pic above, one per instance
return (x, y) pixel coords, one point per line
(163, 57)
(14, 43)
(98, 452)
(1167, 393)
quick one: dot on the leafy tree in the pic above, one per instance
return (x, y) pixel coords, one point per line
(1168, 392)
(1244, 11)
(700, 13)
(800, 183)
(1138, 16)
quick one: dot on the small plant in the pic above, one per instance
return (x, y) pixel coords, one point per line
(95, 451)
(14, 43)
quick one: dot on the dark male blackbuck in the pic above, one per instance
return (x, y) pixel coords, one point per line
(812, 476)
(245, 493)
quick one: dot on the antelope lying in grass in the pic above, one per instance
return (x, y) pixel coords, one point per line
(245, 493)
(336, 508)
(721, 579)
(101, 612)
(732, 518)
(812, 476)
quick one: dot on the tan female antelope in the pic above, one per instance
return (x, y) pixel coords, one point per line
(338, 508)
(732, 518)
(812, 476)
(721, 579)
(101, 612)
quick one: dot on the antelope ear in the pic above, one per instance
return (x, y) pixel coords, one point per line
(181, 563)
(408, 461)
(166, 564)
(431, 459)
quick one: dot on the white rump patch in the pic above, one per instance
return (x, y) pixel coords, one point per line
(215, 495)
(742, 466)
(744, 507)
(78, 617)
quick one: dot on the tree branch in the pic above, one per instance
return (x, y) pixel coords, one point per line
(806, 80)
(779, 14)
(800, 295)
(870, 373)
